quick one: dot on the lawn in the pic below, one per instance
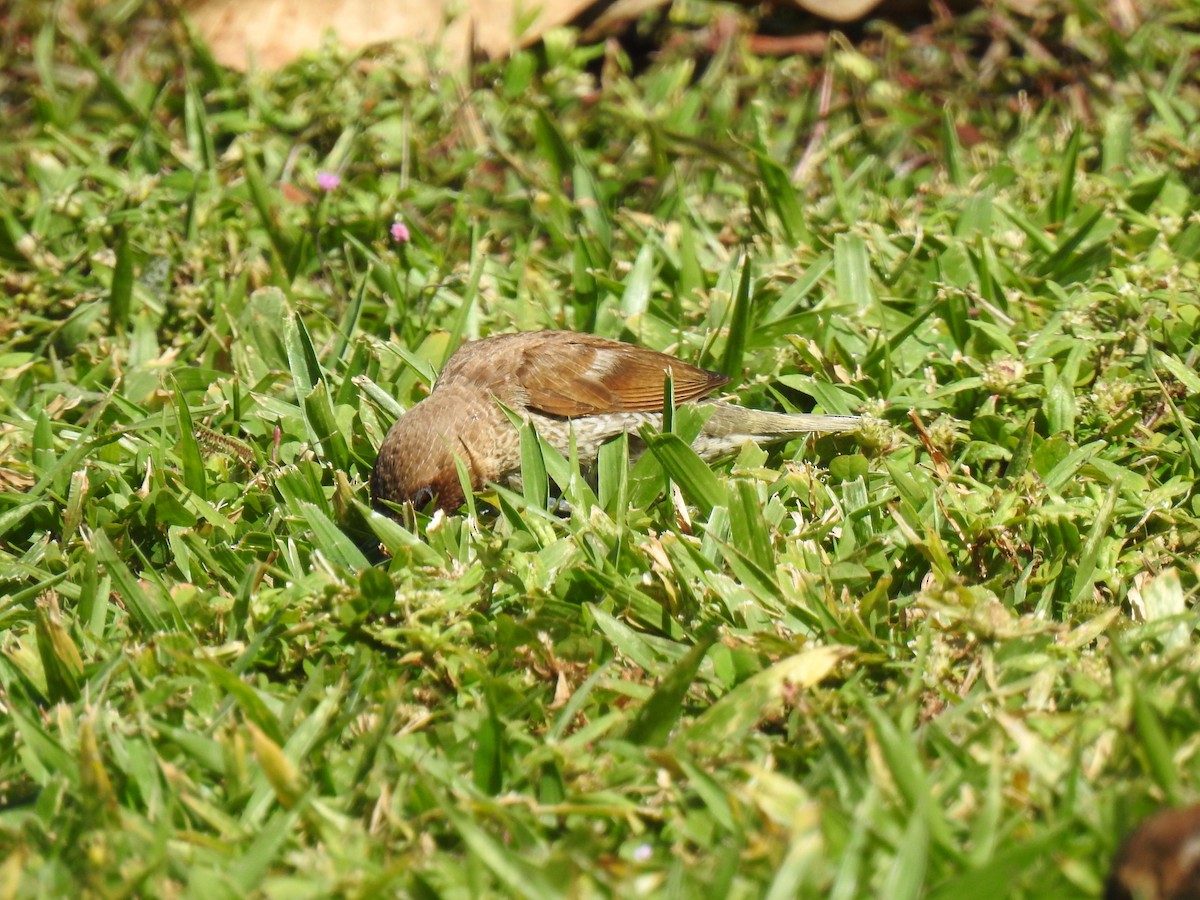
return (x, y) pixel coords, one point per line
(949, 655)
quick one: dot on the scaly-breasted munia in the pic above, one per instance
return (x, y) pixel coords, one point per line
(559, 381)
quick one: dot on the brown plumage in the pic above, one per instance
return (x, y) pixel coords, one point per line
(560, 381)
(1160, 860)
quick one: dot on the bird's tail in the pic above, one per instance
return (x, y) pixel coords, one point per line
(728, 419)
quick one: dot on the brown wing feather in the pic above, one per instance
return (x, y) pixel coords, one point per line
(575, 375)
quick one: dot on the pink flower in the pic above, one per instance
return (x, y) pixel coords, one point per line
(400, 232)
(328, 181)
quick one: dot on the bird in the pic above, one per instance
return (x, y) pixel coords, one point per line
(1160, 860)
(560, 382)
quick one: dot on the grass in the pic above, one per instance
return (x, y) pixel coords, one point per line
(952, 657)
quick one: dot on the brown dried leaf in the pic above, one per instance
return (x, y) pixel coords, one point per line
(271, 33)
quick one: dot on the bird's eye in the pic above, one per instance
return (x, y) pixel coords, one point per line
(423, 496)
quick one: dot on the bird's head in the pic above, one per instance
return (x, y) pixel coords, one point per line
(416, 462)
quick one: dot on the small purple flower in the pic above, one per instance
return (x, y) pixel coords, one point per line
(328, 181)
(400, 232)
(642, 852)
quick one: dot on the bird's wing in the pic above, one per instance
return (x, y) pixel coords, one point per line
(585, 375)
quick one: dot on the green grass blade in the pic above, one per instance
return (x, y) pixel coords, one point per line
(852, 270)
(195, 478)
(140, 602)
(1064, 193)
(655, 720)
(739, 325)
(697, 481)
(121, 294)
(745, 706)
